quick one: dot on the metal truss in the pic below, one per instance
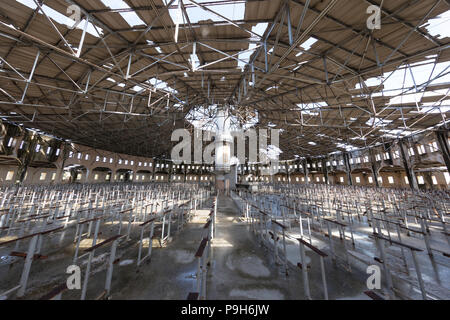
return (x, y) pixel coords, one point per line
(99, 92)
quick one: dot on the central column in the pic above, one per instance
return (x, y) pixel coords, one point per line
(223, 144)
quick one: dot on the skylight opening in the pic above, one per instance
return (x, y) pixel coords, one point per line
(130, 17)
(311, 109)
(195, 61)
(310, 113)
(299, 65)
(397, 132)
(438, 27)
(244, 57)
(307, 45)
(62, 19)
(202, 117)
(108, 66)
(260, 28)
(161, 85)
(359, 138)
(272, 88)
(400, 85)
(378, 122)
(232, 11)
(137, 88)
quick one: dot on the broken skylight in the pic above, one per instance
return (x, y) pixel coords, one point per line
(161, 85)
(130, 17)
(137, 88)
(311, 109)
(244, 57)
(61, 18)
(400, 85)
(232, 11)
(438, 27)
(377, 122)
(307, 45)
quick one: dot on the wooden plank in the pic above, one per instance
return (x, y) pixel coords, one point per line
(127, 210)
(396, 242)
(90, 220)
(313, 248)
(103, 243)
(335, 222)
(31, 235)
(201, 248)
(24, 255)
(54, 292)
(373, 295)
(279, 224)
(147, 222)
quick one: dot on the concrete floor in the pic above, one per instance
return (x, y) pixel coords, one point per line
(245, 268)
(242, 266)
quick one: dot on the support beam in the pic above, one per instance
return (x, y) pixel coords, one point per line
(407, 165)
(348, 168)
(444, 148)
(305, 168)
(374, 167)
(26, 158)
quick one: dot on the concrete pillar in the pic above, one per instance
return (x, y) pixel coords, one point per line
(153, 172)
(444, 148)
(325, 170)
(305, 169)
(170, 171)
(348, 168)
(73, 175)
(407, 165)
(59, 174)
(287, 173)
(26, 158)
(375, 175)
(428, 179)
(86, 178)
(374, 166)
